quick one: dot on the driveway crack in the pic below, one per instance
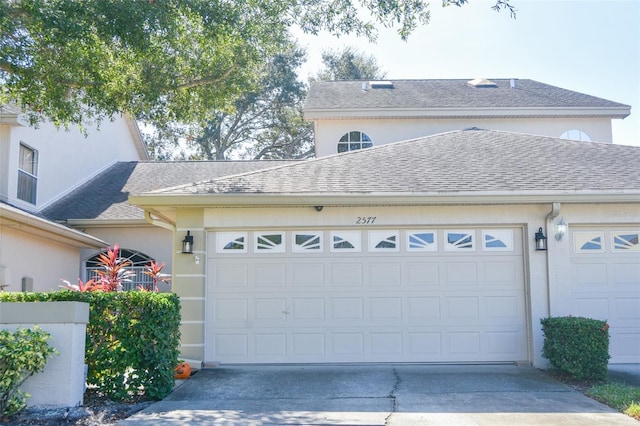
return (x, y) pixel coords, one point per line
(392, 395)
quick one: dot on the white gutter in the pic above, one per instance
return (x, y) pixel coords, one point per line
(555, 211)
(311, 199)
(506, 112)
(163, 222)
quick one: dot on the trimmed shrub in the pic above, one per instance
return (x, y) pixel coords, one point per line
(577, 346)
(22, 354)
(132, 339)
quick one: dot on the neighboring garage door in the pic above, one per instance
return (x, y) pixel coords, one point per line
(605, 284)
(383, 295)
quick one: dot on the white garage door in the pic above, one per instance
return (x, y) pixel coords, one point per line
(384, 295)
(605, 285)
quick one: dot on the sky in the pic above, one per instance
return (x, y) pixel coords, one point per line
(588, 46)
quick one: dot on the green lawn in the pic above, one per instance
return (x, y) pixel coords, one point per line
(620, 396)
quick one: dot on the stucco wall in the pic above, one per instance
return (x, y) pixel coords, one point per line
(189, 283)
(383, 131)
(62, 382)
(45, 261)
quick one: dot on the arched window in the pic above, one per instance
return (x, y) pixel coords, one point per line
(138, 262)
(353, 141)
(576, 135)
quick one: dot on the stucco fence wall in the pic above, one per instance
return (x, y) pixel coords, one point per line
(62, 382)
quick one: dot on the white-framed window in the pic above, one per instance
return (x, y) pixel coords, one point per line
(497, 240)
(625, 241)
(459, 240)
(231, 242)
(342, 241)
(422, 240)
(28, 174)
(269, 242)
(138, 261)
(575, 135)
(588, 242)
(307, 241)
(387, 241)
(353, 141)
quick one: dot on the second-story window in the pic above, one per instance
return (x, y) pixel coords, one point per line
(28, 174)
(353, 141)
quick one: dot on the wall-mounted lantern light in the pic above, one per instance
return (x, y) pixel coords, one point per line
(541, 240)
(187, 243)
(561, 229)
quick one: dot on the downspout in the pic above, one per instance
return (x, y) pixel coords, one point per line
(555, 211)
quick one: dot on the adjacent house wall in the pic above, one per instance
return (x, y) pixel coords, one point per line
(66, 158)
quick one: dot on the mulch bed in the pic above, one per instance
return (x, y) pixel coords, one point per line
(97, 410)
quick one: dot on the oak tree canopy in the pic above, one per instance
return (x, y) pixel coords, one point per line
(164, 60)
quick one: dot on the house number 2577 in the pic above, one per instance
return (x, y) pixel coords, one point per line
(365, 220)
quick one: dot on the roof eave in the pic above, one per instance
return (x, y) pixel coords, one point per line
(507, 112)
(107, 223)
(450, 198)
(34, 225)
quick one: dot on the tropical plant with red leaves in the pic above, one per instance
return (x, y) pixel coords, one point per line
(90, 285)
(154, 270)
(113, 270)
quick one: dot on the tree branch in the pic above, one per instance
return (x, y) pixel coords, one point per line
(208, 80)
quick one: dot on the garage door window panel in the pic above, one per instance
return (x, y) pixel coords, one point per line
(384, 241)
(460, 241)
(422, 241)
(307, 242)
(232, 242)
(269, 242)
(346, 241)
(497, 240)
(588, 242)
(625, 241)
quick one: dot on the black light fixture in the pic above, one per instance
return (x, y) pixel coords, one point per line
(187, 243)
(541, 240)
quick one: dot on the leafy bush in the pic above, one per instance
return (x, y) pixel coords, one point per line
(577, 346)
(132, 339)
(22, 354)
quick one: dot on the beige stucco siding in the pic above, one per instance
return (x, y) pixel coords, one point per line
(44, 260)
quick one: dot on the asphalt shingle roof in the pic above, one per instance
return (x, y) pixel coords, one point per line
(105, 197)
(447, 93)
(454, 162)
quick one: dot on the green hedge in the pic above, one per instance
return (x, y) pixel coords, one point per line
(577, 346)
(132, 339)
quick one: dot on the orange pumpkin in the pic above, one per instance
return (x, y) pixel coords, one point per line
(183, 371)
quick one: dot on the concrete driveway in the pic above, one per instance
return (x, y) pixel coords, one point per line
(376, 395)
